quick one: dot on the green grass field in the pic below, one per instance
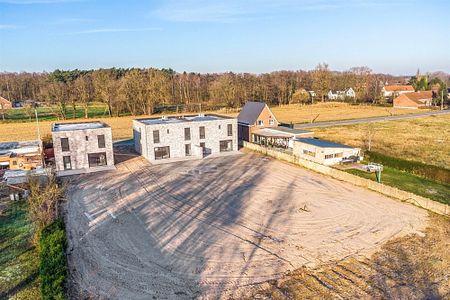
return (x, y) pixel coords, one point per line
(19, 260)
(51, 113)
(411, 183)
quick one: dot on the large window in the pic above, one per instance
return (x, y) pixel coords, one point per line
(156, 136)
(230, 129)
(65, 144)
(67, 163)
(202, 132)
(97, 159)
(162, 152)
(187, 149)
(187, 134)
(329, 156)
(310, 153)
(226, 146)
(101, 141)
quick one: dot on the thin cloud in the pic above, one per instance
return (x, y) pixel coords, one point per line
(7, 26)
(26, 2)
(234, 10)
(114, 30)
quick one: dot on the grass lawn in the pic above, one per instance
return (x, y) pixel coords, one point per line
(19, 260)
(424, 139)
(411, 183)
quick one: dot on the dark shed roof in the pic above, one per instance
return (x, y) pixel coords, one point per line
(250, 112)
(321, 143)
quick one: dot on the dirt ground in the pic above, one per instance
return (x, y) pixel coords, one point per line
(213, 228)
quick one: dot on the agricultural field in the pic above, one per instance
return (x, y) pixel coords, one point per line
(19, 259)
(121, 126)
(424, 139)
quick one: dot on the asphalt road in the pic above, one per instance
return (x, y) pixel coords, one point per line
(370, 120)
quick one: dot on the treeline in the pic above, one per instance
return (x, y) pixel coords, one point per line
(138, 91)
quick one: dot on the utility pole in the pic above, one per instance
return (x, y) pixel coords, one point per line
(442, 99)
(37, 124)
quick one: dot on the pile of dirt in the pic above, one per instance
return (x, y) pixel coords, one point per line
(411, 267)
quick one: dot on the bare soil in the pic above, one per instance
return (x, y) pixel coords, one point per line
(219, 227)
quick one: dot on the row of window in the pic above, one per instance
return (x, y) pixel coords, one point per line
(94, 160)
(164, 152)
(261, 122)
(66, 147)
(335, 155)
(187, 133)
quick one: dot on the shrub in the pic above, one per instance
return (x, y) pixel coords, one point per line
(417, 168)
(53, 263)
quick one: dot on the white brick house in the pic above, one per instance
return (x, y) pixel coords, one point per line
(184, 137)
(341, 95)
(82, 147)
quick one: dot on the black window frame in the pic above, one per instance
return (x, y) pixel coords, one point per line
(228, 142)
(187, 134)
(202, 132)
(65, 147)
(229, 129)
(156, 137)
(92, 161)
(156, 149)
(65, 162)
(187, 149)
(101, 141)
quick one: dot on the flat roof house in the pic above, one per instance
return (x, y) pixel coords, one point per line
(324, 152)
(414, 100)
(184, 137)
(82, 147)
(26, 155)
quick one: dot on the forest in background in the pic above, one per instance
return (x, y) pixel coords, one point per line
(139, 91)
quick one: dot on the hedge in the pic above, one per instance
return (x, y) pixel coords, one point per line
(53, 263)
(417, 168)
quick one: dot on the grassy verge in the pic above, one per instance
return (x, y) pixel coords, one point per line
(417, 168)
(19, 259)
(411, 183)
(53, 263)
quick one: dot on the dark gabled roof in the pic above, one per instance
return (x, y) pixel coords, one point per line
(321, 143)
(250, 112)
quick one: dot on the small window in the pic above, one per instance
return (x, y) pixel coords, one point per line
(220, 127)
(101, 141)
(187, 149)
(260, 123)
(167, 131)
(67, 163)
(87, 138)
(65, 144)
(329, 156)
(187, 134)
(156, 136)
(202, 132)
(230, 129)
(271, 122)
(15, 163)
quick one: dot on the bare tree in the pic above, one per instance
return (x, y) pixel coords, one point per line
(321, 80)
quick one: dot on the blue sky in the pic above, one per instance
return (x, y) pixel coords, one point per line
(392, 36)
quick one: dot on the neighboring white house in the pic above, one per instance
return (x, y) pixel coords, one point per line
(82, 147)
(184, 137)
(396, 90)
(324, 152)
(341, 95)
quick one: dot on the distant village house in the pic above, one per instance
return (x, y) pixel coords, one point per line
(26, 155)
(4, 103)
(394, 90)
(341, 95)
(414, 100)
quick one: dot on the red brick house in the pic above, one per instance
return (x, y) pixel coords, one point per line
(5, 104)
(414, 100)
(253, 116)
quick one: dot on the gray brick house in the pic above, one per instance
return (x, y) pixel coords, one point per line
(82, 147)
(185, 137)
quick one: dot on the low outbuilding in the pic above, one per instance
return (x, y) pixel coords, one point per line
(325, 152)
(414, 100)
